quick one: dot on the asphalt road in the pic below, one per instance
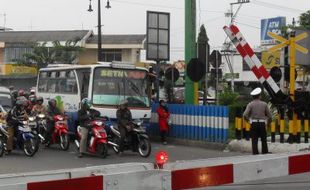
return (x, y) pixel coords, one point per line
(296, 182)
(53, 158)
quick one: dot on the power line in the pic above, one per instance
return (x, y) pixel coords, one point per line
(251, 26)
(276, 6)
(162, 6)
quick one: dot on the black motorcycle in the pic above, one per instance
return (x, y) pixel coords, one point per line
(136, 140)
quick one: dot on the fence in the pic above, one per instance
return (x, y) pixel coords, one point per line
(279, 126)
(201, 123)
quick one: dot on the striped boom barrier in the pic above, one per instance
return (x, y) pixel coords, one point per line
(175, 176)
(253, 62)
(200, 123)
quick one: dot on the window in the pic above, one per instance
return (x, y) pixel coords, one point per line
(14, 52)
(111, 86)
(110, 55)
(63, 82)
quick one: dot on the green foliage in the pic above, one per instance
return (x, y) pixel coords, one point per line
(228, 97)
(57, 54)
(304, 19)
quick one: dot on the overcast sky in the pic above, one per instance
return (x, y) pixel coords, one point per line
(129, 17)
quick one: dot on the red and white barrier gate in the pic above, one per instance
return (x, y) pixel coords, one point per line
(178, 175)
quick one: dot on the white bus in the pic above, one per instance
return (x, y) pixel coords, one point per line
(106, 84)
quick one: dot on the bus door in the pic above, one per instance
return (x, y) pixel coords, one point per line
(83, 77)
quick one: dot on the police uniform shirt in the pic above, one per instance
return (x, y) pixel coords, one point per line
(257, 109)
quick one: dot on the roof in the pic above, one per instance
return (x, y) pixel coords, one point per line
(118, 39)
(39, 36)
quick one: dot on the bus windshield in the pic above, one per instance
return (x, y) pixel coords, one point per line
(111, 86)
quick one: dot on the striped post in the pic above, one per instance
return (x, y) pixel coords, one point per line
(291, 127)
(298, 135)
(282, 124)
(247, 130)
(306, 130)
(243, 129)
(273, 131)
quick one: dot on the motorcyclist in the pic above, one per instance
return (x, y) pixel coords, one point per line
(39, 108)
(85, 115)
(16, 114)
(124, 118)
(14, 95)
(31, 103)
(52, 111)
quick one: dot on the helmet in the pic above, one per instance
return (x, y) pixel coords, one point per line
(14, 93)
(21, 93)
(52, 103)
(32, 91)
(86, 103)
(20, 103)
(40, 100)
(32, 99)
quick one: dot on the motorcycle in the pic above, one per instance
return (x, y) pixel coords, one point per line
(97, 138)
(24, 139)
(60, 134)
(40, 122)
(136, 139)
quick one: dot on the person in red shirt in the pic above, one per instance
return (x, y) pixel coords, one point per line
(163, 117)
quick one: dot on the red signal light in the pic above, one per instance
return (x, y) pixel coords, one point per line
(161, 158)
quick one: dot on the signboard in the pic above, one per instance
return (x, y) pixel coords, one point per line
(271, 59)
(273, 25)
(158, 36)
(18, 70)
(114, 73)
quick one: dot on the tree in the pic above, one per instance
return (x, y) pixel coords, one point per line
(304, 20)
(57, 54)
(41, 56)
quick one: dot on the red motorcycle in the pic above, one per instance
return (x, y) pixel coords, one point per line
(60, 134)
(97, 141)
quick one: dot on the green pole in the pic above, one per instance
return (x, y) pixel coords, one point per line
(190, 46)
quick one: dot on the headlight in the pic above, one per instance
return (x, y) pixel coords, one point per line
(31, 118)
(99, 123)
(41, 116)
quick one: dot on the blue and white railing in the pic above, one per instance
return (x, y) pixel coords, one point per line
(201, 123)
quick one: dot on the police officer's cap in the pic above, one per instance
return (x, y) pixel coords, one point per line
(256, 92)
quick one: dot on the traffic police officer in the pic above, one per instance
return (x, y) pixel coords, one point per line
(258, 114)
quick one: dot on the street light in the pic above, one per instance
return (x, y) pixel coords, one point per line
(108, 6)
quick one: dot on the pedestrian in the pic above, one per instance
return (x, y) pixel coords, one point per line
(163, 117)
(258, 114)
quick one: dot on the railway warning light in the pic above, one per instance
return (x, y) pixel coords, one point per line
(161, 158)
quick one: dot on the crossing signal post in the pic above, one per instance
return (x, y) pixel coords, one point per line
(294, 123)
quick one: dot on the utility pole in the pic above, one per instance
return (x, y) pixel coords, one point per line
(191, 88)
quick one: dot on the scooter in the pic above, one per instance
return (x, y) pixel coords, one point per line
(136, 140)
(41, 123)
(60, 134)
(97, 142)
(24, 139)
